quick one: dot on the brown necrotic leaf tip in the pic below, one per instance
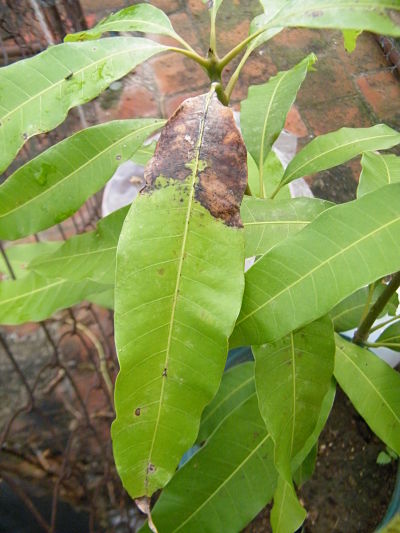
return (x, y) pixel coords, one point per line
(202, 137)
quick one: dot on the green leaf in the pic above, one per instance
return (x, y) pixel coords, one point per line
(337, 147)
(226, 483)
(52, 186)
(307, 467)
(37, 93)
(287, 514)
(293, 375)
(264, 111)
(347, 314)
(102, 298)
(372, 15)
(391, 335)
(269, 222)
(345, 248)
(377, 171)
(141, 17)
(20, 255)
(373, 388)
(34, 298)
(90, 255)
(236, 386)
(383, 458)
(272, 174)
(350, 39)
(179, 277)
(144, 154)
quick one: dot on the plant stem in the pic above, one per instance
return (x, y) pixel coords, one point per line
(235, 76)
(368, 302)
(363, 329)
(182, 41)
(192, 54)
(239, 47)
(382, 344)
(383, 324)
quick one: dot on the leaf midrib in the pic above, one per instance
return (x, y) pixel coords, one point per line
(320, 265)
(178, 277)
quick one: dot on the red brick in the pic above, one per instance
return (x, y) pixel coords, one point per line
(228, 38)
(328, 82)
(382, 92)
(176, 73)
(168, 6)
(183, 26)
(137, 101)
(294, 123)
(196, 7)
(257, 70)
(336, 114)
(367, 56)
(96, 6)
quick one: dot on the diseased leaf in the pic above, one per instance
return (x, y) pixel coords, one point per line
(20, 255)
(287, 514)
(90, 255)
(239, 456)
(263, 112)
(37, 93)
(140, 17)
(179, 273)
(296, 282)
(347, 314)
(237, 385)
(371, 15)
(52, 186)
(293, 376)
(377, 171)
(373, 388)
(34, 298)
(337, 147)
(391, 336)
(269, 222)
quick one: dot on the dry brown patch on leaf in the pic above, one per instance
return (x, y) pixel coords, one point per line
(202, 130)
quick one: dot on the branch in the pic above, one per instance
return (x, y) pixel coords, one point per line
(363, 329)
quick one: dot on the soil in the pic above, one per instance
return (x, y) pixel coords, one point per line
(349, 492)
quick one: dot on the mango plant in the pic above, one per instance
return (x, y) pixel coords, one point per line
(172, 264)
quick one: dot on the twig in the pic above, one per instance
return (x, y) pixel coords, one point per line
(363, 329)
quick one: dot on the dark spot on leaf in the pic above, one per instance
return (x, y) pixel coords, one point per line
(164, 374)
(69, 76)
(161, 271)
(118, 157)
(151, 468)
(137, 411)
(25, 136)
(221, 157)
(316, 14)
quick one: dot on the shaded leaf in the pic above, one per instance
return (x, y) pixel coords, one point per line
(269, 222)
(140, 17)
(90, 255)
(377, 171)
(345, 248)
(293, 375)
(34, 298)
(287, 514)
(263, 112)
(371, 15)
(239, 456)
(373, 388)
(337, 147)
(52, 186)
(391, 335)
(179, 273)
(102, 298)
(37, 93)
(272, 174)
(307, 467)
(20, 255)
(236, 386)
(347, 314)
